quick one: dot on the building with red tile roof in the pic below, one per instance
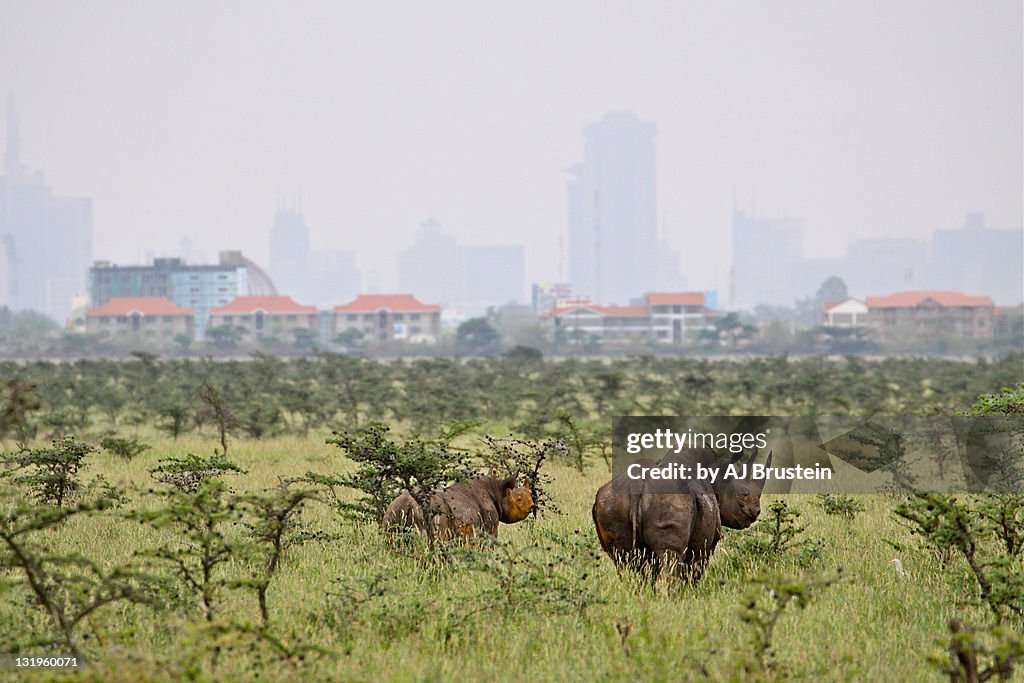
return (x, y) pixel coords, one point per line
(151, 318)
(372, 303)
(675, 299)
(580, 321)
(916, 299)
(919, 314)
(1008, 321)
(587, 308)
(198, 286)
(662, 316)
(388, 317)
(266, 316)
(674, 313)
(267, 304)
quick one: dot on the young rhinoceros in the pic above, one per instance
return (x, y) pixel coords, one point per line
(462, 508)
(673, 524)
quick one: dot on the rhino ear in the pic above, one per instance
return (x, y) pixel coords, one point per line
(526, 484)
(494, 473)
(509, 482)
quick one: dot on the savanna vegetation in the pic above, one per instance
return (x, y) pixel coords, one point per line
(213, 520)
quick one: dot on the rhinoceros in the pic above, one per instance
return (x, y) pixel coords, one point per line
(462, 508)
(673, 525)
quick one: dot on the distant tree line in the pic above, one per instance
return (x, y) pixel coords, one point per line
(519, 389)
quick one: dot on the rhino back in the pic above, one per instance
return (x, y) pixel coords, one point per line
(470, 505)
(403, 511)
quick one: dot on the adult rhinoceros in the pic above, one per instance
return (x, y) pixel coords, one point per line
(673, 525)
(464, 508)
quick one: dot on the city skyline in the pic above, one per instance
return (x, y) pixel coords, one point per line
(863, 120)
(767, 261)
(47, 239)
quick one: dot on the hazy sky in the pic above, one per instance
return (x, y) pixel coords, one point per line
(194, 118)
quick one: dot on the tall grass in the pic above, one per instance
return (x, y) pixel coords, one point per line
(392, 614)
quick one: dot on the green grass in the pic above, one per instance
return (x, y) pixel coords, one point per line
(429, 624)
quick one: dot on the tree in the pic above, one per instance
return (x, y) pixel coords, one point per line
(225, 337)
(809, 310)
(305, 339)
(477, 336)
(351, 337)
(728, 331)
(832, 290)
(26, 330)
(183, 342)
(525, 355)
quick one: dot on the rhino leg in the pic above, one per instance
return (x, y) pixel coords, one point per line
(668, 525)
(685, 538)
(676, 562)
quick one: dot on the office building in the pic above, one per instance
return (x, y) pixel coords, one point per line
(46, 239)
(199, 287)
(467, 278)
(977, 258)
(612, 211)
(766, 252)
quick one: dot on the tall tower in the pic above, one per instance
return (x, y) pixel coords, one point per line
(46, 238)
(289, 252)
(428, 268)
(765, 254)
(12, 150)
(613, 211)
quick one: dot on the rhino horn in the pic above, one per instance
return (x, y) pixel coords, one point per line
(767, 464)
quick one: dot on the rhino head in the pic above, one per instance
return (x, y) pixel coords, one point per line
(514, 503)
(739, 500)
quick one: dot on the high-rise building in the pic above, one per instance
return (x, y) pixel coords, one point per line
(333, 277)
(765, 254)
(490, 276)
(426, 268)
(884, 265)
(468, 278)
(667, 275)
(976, 258)
(46, 239)
(289, 252)
(320, 276)
(612, 211)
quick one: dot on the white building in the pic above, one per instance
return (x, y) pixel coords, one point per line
(673, 314)
(849, 313)
(665, 317)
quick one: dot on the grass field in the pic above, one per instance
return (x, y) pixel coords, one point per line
(387, 613)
